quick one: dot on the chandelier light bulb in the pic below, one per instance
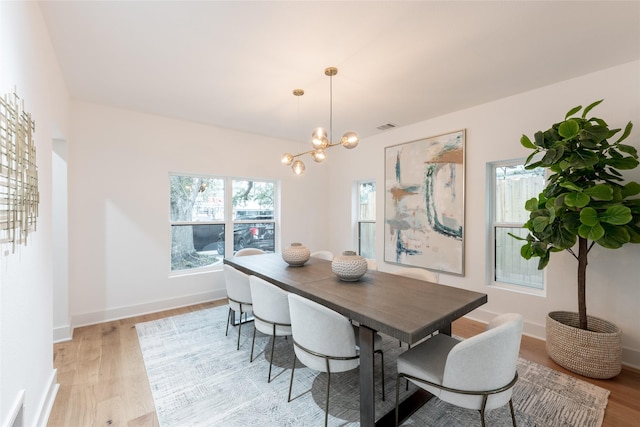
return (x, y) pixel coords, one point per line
(350, 140)
(319, 155)
(287, 159)
(298, 167)
(319, 138)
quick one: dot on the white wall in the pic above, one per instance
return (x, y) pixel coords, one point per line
(119, 164)
(26, 353)
(493, 133)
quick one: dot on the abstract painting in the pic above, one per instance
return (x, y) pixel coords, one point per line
(424, 203)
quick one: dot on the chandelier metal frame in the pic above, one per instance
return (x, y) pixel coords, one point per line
(320, 139)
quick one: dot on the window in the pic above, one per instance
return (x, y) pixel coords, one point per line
(366, 193)
(201, 223)
(512, 185)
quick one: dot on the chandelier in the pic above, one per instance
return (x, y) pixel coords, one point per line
(320, 139)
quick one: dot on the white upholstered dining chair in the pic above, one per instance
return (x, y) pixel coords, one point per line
(328, 255)
(238, 296)
(249, 251)
(325, 341)
(418, 273)
(270, 313)
(476, 373)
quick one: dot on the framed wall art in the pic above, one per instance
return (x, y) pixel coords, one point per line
(424, 203)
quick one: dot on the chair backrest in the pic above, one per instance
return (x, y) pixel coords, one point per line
(238, 288)
(418, 273)
(270, 303)
(486, 361)
(249, 251)
(321, 330)
(328, 255)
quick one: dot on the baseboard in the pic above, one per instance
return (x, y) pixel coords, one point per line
(62, 334)
(86, 319)
(630, 358)
(46, 404)
(16, 412)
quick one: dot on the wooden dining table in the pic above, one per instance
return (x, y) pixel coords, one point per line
(398, 306)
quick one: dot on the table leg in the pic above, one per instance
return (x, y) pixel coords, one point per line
(367, 389)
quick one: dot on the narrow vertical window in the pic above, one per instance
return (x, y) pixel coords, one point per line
(512, 186)
(367, 219)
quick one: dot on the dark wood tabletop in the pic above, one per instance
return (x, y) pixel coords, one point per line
(404, 308)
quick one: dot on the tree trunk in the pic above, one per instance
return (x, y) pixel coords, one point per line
(582, 281)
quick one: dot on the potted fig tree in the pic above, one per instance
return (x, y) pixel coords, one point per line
(586, 202)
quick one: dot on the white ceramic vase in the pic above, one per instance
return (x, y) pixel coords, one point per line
(296, 254)
(349, 266)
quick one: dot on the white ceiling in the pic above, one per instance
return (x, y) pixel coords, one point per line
(234, 64)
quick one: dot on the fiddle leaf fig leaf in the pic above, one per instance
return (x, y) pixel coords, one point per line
(581, 159)
(614, 237)
(540, 223)
(576, 200)
(630, 189)
(526, 251)
(588, 108)
(600, 192)
(616, 215)
(517, 237)
(596, 133)
(538, 248)
(624, 163)
(625, 134)
(569, 129)
(628, 149)
(570, 186)
(531, 204)
(572, 222)
(573, 111)
(563, 238)
(539, 138)
(526, 142)
(589, 216)
(595, 232)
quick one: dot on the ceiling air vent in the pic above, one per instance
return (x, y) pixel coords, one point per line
(386, 126)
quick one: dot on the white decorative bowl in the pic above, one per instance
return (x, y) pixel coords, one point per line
(349, 266)
(296, 254)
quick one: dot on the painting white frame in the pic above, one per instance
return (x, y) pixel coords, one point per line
(424, 203)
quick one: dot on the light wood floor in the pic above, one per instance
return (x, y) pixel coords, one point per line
(103, 381)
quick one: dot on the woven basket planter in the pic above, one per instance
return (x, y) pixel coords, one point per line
(593, 353)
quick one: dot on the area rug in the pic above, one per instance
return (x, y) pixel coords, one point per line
(198, 378)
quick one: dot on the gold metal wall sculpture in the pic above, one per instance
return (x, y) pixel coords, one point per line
(19, 195)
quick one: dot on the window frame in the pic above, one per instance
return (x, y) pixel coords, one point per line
(493, 225)
(228, 221)
(358, 214)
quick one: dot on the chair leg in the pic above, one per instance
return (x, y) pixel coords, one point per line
(326, 406)
(397, 397)
(293, 368)
(239, 328)
(253, 343)
(228, 320)
(273, 345)
(513, 415)
(482, 408)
